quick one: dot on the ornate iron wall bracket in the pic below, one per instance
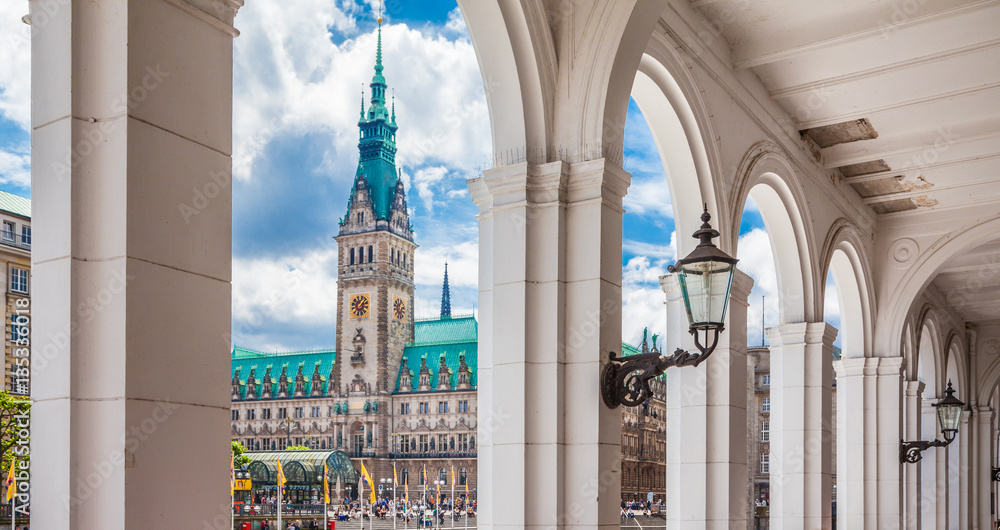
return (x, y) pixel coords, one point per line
(625, 380)
(910, 452)
(996, 474)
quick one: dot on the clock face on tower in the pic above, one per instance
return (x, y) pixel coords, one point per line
(360, 305)
(399, 308)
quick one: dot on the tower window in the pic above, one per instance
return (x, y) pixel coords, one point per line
(361, 254)
(370, 259)
(352, 256)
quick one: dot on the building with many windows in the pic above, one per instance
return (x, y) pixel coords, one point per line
(889, 185)
(402, 391)
(15, 254)
(644, 438)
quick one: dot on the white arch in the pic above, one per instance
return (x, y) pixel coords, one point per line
(930, 354)
(766, 175)
(850, 271)
(503, 43)
(679, 136)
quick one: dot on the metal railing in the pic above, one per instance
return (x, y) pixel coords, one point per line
(271, 509)
(444, 454)
(14, 240)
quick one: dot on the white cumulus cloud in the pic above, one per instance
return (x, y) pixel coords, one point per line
(15, 55)
(292, 79)
(300, 289)
(15, 166)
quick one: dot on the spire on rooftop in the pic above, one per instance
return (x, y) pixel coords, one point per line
(445, 295)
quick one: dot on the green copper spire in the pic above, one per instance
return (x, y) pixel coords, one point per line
(378, 140)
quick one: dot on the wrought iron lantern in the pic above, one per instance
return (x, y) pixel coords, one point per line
(705, 276)
(949, 413)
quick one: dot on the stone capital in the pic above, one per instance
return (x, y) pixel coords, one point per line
(891, 365)
(742, 284)
(984, 415)
(671, 287)
(598, 179)
(913, 388)
(480, 194)
(856, 367)
(219, 14)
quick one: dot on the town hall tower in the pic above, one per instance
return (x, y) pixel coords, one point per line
(375, 274)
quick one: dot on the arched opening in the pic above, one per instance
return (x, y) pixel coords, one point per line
(665, 156)
(790, 253)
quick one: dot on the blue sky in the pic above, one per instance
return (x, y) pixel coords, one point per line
(298, 77)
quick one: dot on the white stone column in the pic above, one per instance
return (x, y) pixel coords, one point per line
(941, 484)
(983, 488)
(869, 429)
(964, 437)
(801, 417)
(929, 468)
(911, 472)
(131, 156)
(706, 419)
(553, 252)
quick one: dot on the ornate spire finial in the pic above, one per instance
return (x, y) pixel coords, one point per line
(362, 101)
(394, 105)
(445, 295)
(378, 54)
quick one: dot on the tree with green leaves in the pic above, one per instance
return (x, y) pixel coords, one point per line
(239, 459)
(14, 426)
(298, 448)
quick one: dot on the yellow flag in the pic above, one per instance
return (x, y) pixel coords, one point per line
(11, 482)
(232, 475)
(326, 484)
(395, 479)
(281, 476)
(368, 478)
(452, 476)
(406, 490)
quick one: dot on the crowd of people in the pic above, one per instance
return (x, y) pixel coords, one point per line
(423, 512)
(645, 508)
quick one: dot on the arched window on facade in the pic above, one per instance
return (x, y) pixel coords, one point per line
(352, 256)
(443, 475)
(370, 254)
(463, 477)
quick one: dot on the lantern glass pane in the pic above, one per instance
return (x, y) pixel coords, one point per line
(950, 417)
(705, 286)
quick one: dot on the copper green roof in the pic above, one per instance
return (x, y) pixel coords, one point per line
(445, 330)
(300, 467)
(448, 337)
(15, 204)
(246, 360)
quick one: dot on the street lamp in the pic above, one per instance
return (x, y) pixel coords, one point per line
(705, 275)
(949, 413)
(288, 431)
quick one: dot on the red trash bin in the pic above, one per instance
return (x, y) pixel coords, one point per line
(246, 525)
(333, 525)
